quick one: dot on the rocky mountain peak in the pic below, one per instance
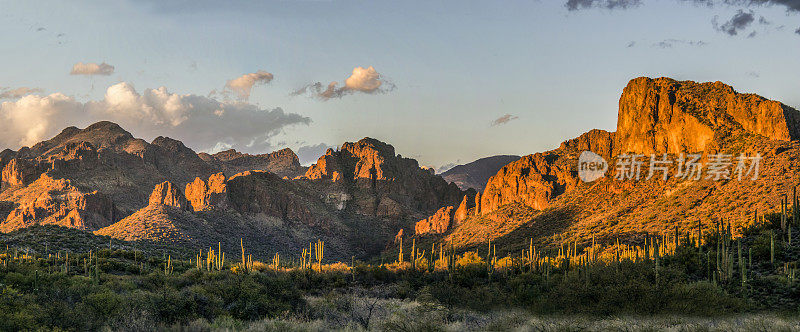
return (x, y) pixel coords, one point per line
(665, 115)
(103, 134)
(284, 162)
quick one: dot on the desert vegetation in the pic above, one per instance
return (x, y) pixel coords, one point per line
(92, 283)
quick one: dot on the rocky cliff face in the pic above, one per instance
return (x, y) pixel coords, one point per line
(58, 202)
(446, 217)
(381, 183)
(533, 180)
(438, 223)
(204, 195)
(283, 162)
(665, 115)
(168, 194)
(595, 140)
(655, 116)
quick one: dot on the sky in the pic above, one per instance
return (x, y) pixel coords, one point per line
(445, 82)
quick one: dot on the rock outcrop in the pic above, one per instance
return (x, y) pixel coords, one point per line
(58, 202)
(381, 183)
(204, 195)
(665, 115)
(598, 141)
(168, 194)
(533, 180)
(478, 203)
(438, 223)
(18, 173)
(462, 212)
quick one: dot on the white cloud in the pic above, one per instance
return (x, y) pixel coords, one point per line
(32, 118)
(366, 80)
(243, 85)
(200, 122)
(9, 93)
(91, 68)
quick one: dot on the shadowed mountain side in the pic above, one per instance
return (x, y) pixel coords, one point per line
(283, 162)
(475, 174)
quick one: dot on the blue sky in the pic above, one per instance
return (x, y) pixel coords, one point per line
(456, 66)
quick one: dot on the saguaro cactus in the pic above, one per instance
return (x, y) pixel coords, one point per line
(319, 251)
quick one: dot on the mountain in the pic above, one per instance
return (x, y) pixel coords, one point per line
(105, 158)
(540, 196)
(104, 180)
(283, 162)
(475, 174)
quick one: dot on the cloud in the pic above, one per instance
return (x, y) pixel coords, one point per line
(309, 154)
(504, 119)
(740, 21)
(9, 93)
(364, 80)
(669, 43)
(797, 31)
(244, 84)
(607, 4)
(200, 122)
(732, 27)
(81, 68)
(791, 5)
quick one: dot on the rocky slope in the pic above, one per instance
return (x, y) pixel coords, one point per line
(475, 174)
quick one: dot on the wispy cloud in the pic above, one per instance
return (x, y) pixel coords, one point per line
(92, 69)
(607, 4)
(504, 119)
(732, 27)
(669, 43)
(740, 21)
(9, 93)
(243, 85)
